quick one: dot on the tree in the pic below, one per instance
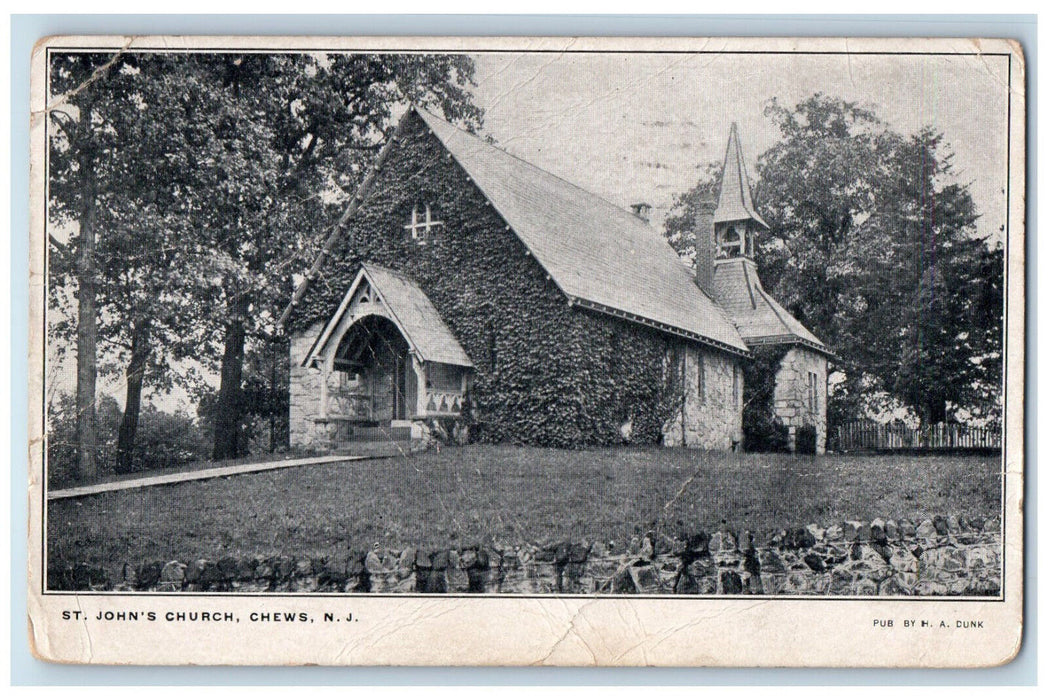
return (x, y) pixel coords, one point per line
(80, 156)
(872, 244)
(147, 275)
(979, 289)
(927, 225)
(680, 223)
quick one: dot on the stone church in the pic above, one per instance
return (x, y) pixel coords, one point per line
(470, 293)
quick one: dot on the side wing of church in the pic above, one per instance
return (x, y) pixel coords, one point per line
(726, 268)
(472, 293)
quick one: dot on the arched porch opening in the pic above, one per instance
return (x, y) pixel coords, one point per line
(375, 375)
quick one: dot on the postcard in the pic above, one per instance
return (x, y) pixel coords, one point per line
(527, 351)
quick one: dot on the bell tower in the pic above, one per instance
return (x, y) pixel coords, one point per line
(731, 226)
(736, 222)
(726, 228)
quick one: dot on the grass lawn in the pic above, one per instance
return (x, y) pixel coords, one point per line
(510, 495)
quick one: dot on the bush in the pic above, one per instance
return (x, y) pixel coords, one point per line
(61, 438)
(163, 439)
(167, 440)
(762, 431)
(806, 439)
(766, 436)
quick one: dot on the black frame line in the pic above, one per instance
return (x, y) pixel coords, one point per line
(500, 596)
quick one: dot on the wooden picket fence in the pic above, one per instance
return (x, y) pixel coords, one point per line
(887, 437)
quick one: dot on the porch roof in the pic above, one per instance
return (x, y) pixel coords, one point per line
(412, 312)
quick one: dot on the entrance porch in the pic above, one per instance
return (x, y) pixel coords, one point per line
(387, 365)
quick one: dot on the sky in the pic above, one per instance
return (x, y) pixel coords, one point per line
(636, 127)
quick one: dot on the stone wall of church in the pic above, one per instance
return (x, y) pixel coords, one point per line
(711, 400)
(360, 398)
(793, 400)
(304, 384)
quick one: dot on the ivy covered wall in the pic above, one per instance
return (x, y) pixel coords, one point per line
(779, 409)
(763, 430)
(546, 373)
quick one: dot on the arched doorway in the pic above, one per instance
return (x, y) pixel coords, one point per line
(376, 375)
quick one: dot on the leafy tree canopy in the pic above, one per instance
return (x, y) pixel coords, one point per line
(213, 178)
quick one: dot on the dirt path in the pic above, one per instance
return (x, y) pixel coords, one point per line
(194, 475)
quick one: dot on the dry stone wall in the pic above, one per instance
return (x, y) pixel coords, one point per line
(937, 557)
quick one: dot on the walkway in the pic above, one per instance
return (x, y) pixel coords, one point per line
(195, 475)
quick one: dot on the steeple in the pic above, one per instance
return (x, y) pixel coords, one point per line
(725, 267)
(735, 220)
(735, 202)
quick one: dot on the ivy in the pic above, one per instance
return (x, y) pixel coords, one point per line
(546, 373)
(762, 430)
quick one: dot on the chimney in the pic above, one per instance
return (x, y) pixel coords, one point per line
(704, 245)
(641, 210)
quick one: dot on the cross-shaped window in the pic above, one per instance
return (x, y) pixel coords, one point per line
(420, 228)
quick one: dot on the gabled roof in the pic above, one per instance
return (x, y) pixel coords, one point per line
(601, 256)
(412, 312)
(735, 202)
(760, 319)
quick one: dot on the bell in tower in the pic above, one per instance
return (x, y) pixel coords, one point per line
(735, 220)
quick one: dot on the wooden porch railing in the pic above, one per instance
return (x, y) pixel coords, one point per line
(443, 402)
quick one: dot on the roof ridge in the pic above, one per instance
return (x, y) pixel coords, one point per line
(390, 270)
(569, 183)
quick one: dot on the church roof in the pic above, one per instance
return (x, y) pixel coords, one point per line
(760, 319)
(412, 312)
(601, 256)
(735, 202)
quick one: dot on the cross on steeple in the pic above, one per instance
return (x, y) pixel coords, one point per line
(420, 228)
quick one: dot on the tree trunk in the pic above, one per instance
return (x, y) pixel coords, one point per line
(87, 324)
(270, 401)
(935, 411)
(228, 410)
(136, 371)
